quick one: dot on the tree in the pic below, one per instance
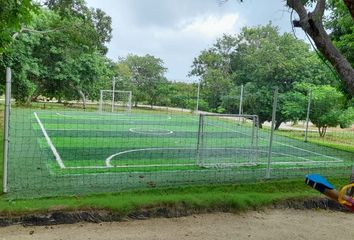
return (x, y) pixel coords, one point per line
(183, 95)
(13, 15)
(214, 86)
(54, 60)
(93, 22)
(350, 6)
(294, 105)
(213, 66)
(147, 77)
(260, 58)
(312, 23)
(327, 108)
(341, 27)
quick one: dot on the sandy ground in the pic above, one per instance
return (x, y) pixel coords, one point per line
(268, 224)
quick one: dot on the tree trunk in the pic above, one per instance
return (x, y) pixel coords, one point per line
(350, 6)
(83, 97)
(277, 125)
(322, 131)
(311, 23)
(34, 96)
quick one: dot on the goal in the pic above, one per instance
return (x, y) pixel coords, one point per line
(115, 101)
(225, 141)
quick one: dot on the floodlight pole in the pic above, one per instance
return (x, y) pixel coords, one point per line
(308, 115)
(275, 103)
(198, 93)
(6, 127)
(241, 100)
(113, 89)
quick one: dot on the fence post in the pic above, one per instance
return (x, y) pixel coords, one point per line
(6, 127)
(101, 102)
(308, 115)
(275, 103)
(113, 89)
(241, 100)
(198, 93)
(200, 137)
(254, 141)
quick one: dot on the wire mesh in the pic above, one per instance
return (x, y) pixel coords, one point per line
(63, 150)
(227, 140)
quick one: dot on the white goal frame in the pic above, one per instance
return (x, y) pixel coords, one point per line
(252, 136)
(113, 104)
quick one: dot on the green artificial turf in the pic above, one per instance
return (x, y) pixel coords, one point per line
(233, 197)
(149, 150)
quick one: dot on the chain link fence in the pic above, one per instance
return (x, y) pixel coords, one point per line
(53, 149)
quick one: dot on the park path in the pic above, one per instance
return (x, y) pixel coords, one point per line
(257, 225)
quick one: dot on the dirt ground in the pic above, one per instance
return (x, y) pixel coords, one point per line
(267, 224)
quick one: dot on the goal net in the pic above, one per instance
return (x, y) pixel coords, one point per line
(115, 101)
(225, 141)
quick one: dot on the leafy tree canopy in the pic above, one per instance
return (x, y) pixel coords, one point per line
(146, 77)
(260, 58)
(54, 59)
(13, 15)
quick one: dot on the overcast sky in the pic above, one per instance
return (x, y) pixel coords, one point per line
(177, 30)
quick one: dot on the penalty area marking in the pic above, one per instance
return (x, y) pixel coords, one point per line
(306, 160)
(49, 142)
(108, 160)
(151, 131)
(109, 165)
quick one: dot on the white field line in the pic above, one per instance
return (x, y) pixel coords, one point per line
(153, 131)
(224, 165)
(134, 166)
(49, 142)
(316, 153)
(109, 159)
(108, 164)
(83, 129)
(100, 118)
(83, 115)
(284, 144)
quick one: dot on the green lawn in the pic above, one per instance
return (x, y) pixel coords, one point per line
(236, 197)
(337, 139)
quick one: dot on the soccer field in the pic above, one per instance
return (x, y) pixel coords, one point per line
(67, 149)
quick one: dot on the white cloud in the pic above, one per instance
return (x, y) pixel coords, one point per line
(212, 26)
(177, 30)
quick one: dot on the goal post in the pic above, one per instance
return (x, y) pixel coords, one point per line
(224, 141)
(115, 101)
